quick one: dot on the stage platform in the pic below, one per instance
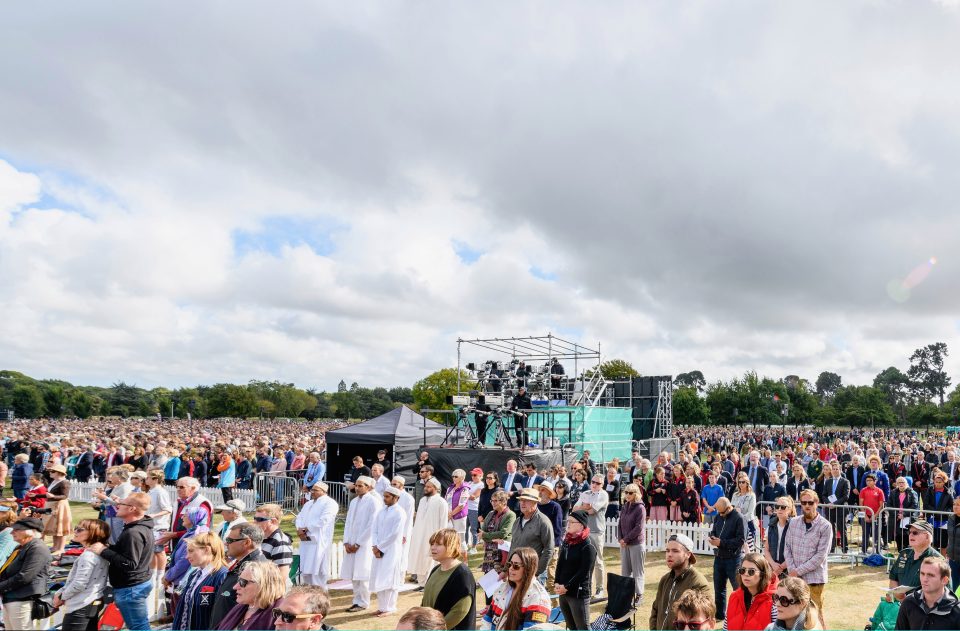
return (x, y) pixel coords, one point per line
(446, 459)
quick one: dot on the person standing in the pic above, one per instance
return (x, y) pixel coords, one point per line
(386, 574)
(631, 535)
(594, 502)
(511, 478)
(807, 545)
(23, 576)
(497, 528)
(681, 578)
(80, 595)
(209, 568)
(473, 506)
(577, 557)
(232, 513)
(795, 609)
(727, 535)
(658, 492)
(431, 517)
(953, 544)
(357, 533)
(905, 570)
(551, 509)
(277, 545)
(902, 503)
(834, 492)
(406, 503)
(315, 524)
(533, 530)
(520, 601)
(458, 496)
(226, 476)
(774, 544)
(131, 560)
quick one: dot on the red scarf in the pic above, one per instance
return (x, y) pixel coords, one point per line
(573, 539)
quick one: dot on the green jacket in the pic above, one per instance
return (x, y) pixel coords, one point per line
(669, 590)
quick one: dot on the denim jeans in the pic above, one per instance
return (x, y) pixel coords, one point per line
(473, 526)
(132, 603)
(724, 570)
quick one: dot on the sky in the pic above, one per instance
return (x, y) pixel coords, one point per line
(313, 191)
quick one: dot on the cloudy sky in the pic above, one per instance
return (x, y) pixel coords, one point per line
(317, 191)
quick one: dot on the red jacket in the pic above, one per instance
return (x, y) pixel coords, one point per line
(35, 498)
(761, 614)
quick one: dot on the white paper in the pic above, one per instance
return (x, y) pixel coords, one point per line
(943, 527)
(505, 546)
(489, 582)
(900, 589)
(609, 488)
(904, 522)
(832, 499)
(518, 486)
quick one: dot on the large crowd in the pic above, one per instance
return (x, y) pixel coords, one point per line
(772, 504)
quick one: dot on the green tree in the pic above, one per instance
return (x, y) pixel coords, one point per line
(345, 404)
(83, 405)
(926, 372)
(827, 385)
(401, 395)
(861, 406)
(227, 399)
(54, 400)
(617, 370)
(27, 401)
(693, 379)
(895, 386)
(431, 392)
(689, 408)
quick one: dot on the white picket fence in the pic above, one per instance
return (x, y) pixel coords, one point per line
(657, 533)
(83, 492)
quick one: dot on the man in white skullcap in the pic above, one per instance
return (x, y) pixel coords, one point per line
(357, 548)
(406, 503)
(315, 524)
(386, 575)
(431, 517)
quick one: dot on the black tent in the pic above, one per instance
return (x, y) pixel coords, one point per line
(401, 431)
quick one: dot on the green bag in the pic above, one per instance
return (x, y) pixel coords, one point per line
(885, 617)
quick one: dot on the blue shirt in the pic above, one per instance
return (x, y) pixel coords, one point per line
(711, 493)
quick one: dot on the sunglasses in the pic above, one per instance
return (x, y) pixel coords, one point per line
(781, 507)
(262, 519)
(79, 529)
(784, 601)
(243, 582)
(288, 617)
(680, 625)
(749, 571)
(229, 540)
(807, 503)
(514, 565)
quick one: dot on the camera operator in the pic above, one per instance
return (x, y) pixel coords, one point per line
(481, 412)
(556, 377)
(519, 403)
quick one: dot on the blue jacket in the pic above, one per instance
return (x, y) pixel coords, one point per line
(195, 612)
(229, 477)
(243, 474)
(20, 478)
(171, 470)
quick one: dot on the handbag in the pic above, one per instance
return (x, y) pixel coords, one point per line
(42, 607)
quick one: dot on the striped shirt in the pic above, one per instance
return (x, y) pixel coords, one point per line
(278, 548)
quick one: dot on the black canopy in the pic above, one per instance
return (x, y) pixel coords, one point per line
(401, 431)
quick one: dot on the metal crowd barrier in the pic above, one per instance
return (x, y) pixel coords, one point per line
(83, 492)
(278, 488)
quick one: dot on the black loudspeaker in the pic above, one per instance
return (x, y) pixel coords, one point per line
(642, 429)
(644, 408)
(621, 395)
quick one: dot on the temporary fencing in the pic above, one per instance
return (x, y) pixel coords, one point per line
(83, 492)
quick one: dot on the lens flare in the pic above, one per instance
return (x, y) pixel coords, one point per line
(899, 289)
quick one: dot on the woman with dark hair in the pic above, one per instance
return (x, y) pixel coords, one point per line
(675, 488)
(521, 601)
(751, 606)
(579, 485)
(80, 597)
(451, 588)
(574, 571)
(563, 498)
(491, 484)
(690, 502)
(659, 496)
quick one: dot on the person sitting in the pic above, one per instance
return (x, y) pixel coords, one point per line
(304, 607)
(450, 587)
(422, 619)
(751, 605)
(905, 570)
(521, 601)
(933, 606)
(694, 610)
(209, 568)
(81, 596)
(259, 588)
(795, 610)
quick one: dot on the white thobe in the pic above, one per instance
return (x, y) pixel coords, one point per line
(387, 536)
(357, 531)
(431, 517)
(406, 503)
(318, 517)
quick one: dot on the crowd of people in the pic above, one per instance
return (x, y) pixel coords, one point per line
(772, 504)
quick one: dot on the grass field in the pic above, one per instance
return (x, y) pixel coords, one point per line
(851, 596)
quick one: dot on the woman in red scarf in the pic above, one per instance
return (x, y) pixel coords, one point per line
(574, 571)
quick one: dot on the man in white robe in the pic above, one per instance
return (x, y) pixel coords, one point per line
(315, 528)
(407, 504)
(357, 549)
(387, 539)
(431, 517)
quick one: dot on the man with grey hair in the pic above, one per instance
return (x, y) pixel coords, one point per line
(23, 576)
(594, 502)
(304, 607)
(316, 470)
(242, 544)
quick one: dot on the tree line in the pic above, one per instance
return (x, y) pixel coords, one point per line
(52, 398)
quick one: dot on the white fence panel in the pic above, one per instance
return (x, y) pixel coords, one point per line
(657, 532)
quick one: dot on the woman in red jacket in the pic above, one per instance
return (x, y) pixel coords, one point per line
(751, 606)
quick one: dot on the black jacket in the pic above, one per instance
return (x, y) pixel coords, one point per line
(84, 470)
(226, 594)
(575, 568)
(914, 613)
(130, 556)
(26, 576)
(731, 529)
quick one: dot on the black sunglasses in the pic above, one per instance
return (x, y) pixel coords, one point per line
(262, 519)
(749, 571)
(229, 540)
(783, 601)
(242, 582)
(288, 617)
(680, 625)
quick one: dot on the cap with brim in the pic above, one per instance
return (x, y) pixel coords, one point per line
(390, 490)
(58, 468)
(476, 470)
(529, 494)
(686, 542)
(580, 516)
(366, 479)
(28, 523)
(922, 524)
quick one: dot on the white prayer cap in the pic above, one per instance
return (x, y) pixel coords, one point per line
(399, 478)
(366, 479)
(435, 482)
(392, 491)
